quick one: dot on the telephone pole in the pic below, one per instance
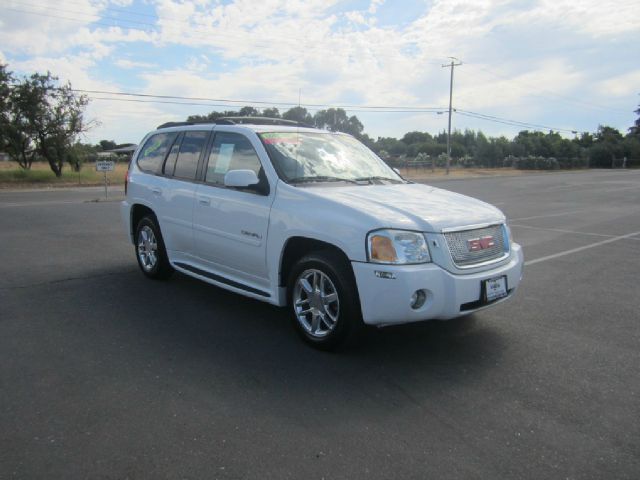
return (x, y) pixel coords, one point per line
(450, 65)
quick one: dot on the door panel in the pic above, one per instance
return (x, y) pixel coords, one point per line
(230, 225)
(178, 198)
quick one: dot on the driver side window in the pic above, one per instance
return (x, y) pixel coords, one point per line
(230, 151)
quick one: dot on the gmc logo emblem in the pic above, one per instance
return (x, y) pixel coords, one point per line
(475, 244)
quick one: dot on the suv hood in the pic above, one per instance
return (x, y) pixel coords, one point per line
(412, 206)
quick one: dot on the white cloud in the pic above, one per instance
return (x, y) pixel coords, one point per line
(621, 85)
(275, 47)
(592, 17)
(129, 64)
(356, 17)
(374, 5)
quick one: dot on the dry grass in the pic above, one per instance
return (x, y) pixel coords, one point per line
(40, 175)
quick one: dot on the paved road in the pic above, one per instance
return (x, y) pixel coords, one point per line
(104, 374)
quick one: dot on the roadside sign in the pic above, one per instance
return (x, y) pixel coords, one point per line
(105, 166)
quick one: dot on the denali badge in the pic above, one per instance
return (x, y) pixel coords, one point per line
(475, 244)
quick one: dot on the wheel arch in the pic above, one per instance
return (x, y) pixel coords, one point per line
(138, 212)
(297, 247)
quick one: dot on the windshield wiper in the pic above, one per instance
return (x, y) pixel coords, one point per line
(321, 178)
(371, 179)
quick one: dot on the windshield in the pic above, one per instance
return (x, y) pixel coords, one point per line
(325, 157)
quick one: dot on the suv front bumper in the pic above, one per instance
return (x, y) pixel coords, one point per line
(387, 301)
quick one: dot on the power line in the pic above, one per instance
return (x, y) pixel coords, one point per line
(546, 93)
(364, 109)
(357, 109)
(259, 102)
(515, 123)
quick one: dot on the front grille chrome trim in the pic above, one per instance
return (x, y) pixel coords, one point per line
(457, 242)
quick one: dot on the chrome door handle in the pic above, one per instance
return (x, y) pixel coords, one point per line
(204, 201)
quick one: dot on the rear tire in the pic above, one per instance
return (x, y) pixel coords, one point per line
(324, 301)
(150, 250)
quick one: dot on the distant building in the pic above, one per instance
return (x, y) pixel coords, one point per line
(121, 153)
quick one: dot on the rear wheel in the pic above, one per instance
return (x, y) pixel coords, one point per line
(150, 250)
(324, 300)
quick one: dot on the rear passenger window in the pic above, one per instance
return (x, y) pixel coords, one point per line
(191, 147)
(170, 162)
(154, 150)
(230, 151)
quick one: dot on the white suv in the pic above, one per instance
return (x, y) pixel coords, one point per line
(315, 221)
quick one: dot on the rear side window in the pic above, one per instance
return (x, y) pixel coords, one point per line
(155, 149)
(191, 148)
(230, 151)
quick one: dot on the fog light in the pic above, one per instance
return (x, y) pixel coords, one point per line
(418, 298)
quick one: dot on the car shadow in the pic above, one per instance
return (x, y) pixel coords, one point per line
(216, 344)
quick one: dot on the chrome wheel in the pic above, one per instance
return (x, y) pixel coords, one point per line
(147, 249)
(316, 303)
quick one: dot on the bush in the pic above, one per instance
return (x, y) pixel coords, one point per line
(467, 162)
(549, 163)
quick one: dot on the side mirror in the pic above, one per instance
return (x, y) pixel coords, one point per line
(240, 178)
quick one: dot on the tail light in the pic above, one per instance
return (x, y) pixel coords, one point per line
(126, 178)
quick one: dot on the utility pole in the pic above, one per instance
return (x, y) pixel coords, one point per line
(450, 65)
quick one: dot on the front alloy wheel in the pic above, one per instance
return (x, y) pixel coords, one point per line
(324, 300)
(316, 303)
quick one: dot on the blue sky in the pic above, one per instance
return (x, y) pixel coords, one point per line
(570, 65)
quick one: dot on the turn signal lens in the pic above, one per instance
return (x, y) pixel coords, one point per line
(400, 247)
(382, 249)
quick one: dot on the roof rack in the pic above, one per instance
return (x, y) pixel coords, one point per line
(239, 121)
(182, 124)
(261, 121)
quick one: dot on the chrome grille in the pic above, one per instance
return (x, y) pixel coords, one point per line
(458, 243)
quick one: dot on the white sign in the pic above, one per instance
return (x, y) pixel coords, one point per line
(105, 166)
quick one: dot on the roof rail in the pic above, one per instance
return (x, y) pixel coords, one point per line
(239, 121)
(261, 121)
(182, 124)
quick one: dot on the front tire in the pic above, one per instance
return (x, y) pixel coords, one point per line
(324, 301)
(150, 250)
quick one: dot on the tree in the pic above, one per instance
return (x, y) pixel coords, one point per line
(607, 147)
(271, 112)
(248, 112)
(15, 138)
(337, 120)
(298, 114)
(42, 118)
(412, 138)
(105, 145)
(635, 130)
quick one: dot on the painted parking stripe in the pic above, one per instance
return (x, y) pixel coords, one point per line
(561, 230)
(579, 249)
(549, 215)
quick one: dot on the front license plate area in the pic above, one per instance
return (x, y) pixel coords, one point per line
(494, 288)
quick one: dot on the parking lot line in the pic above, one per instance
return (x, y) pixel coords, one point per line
(560, 230)
(549, 215)
(579, 249)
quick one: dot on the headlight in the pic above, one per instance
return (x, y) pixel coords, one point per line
(397, 247)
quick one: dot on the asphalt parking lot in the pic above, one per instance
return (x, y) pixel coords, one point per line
(104, 374)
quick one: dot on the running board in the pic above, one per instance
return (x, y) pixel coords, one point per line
(219, 279)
